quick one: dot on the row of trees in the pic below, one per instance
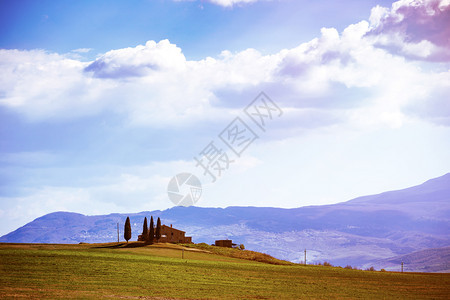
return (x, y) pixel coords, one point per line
(149, 234)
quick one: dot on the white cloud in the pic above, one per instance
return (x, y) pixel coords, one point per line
(418, 29)
(226, 3)
(230, 3)
(151, 84)
(82, 50)
(139, 61)
(155, 85)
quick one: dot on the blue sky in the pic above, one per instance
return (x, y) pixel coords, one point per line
(102, 103)
(199, 28)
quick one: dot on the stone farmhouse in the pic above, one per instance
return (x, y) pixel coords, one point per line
(171, 235)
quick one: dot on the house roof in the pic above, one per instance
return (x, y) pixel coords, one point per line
(172, 228)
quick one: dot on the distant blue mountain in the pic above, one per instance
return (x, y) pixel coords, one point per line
(359, 231)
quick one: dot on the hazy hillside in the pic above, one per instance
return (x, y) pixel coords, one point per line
(428, 260)
(358, 232)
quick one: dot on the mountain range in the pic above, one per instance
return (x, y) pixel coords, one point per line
(378, 230)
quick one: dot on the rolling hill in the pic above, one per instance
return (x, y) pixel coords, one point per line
(164, 271)
(428, 260)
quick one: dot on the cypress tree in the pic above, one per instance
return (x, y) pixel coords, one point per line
(158, 229)
(127, 231)
(151, 231)
(145, 230)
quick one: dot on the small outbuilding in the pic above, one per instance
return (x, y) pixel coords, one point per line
(224, 243)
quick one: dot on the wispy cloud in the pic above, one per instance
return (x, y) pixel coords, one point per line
(228, 3)
(82, 50)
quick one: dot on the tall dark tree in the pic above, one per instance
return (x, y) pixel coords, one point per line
(145, 230)
(127, 231)
(151, 231)
(158, 230)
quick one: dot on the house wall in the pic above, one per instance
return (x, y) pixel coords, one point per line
(172, 235)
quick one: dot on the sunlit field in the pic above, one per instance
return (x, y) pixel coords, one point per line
(136, 271)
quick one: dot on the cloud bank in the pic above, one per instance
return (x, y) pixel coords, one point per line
(370, 72)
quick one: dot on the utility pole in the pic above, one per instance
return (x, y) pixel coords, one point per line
(305, 257)
(117, 232)
(402, 267)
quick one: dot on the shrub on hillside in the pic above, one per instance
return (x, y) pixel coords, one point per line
(327, 264)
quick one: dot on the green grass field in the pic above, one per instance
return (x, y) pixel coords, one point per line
(158, 271)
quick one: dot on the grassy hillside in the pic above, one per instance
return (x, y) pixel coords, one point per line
(236, 253)
(110, 270)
